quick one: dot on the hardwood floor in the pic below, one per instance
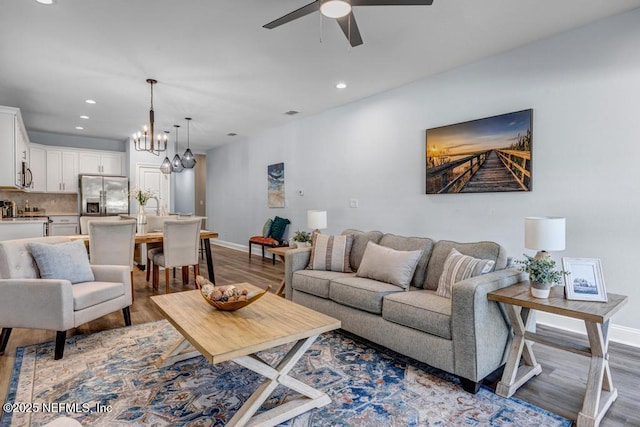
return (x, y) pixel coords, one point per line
(559, 388)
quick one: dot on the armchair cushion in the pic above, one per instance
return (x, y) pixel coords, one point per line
(88, 294)
(68, 261)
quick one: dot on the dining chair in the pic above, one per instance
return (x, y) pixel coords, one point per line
(112, 243)
(154, 224)
(179, 249)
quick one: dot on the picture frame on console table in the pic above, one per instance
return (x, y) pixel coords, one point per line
(584, 279)
(487, 155)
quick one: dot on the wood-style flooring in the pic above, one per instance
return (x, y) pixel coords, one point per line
(559, 388)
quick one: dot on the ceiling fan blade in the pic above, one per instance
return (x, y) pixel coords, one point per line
(299, 13)
(350, 29)
(391, 2)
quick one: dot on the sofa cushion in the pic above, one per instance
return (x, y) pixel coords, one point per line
(88, 294)
(458, 267)
(388, 265)
(315, 282)
(330, 253)
(401, 243)
(358, 292)
(67, 261)
(360, 240)
(419, 309)
(482, 250)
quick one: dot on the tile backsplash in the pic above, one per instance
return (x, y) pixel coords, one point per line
(50, 202)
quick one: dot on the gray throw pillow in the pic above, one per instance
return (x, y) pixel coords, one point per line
(67, 261)
(388, 265)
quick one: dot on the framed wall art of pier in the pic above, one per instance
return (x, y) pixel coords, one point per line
(487, 155)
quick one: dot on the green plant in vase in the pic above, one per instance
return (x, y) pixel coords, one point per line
(301, 238)
(542, 274)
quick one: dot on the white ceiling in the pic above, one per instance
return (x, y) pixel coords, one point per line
(214, 61)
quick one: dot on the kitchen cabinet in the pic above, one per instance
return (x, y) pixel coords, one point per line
(63, 225)
(62, 171)
(38, 166)
(14, 144)
(21, 229)
(101, 163)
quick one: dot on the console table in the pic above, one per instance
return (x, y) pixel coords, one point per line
(518, 303)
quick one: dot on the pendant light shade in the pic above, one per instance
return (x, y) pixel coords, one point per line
(176, 163)
(165, 167)
(188, 159)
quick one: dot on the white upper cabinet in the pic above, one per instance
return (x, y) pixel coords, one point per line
(38, 166)
(62, 171)
(14, 145)
(101, 163)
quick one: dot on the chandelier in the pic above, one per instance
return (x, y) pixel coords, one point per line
(144, 141)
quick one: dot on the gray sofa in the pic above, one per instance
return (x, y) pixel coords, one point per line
(466, 335)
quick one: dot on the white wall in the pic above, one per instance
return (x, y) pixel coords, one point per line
(584, 88)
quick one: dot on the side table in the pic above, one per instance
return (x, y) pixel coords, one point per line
(280, 251)
(519, 303)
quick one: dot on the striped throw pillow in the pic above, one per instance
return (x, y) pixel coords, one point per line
(458, 267)
(330, 253)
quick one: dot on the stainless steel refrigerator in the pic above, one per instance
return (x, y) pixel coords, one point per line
(104, 195)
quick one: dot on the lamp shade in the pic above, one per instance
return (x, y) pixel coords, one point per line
(317, 220)
(544, 233)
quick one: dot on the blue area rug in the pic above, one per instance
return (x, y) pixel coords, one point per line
(109, 379)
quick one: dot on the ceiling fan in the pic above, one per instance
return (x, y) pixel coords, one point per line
(343, 14)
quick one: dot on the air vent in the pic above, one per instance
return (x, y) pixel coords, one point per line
(292, 112)
(231, 134)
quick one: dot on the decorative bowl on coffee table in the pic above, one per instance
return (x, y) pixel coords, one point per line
(229, 305)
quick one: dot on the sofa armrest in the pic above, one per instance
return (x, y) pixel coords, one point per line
(294, 260)
(36, 304)
(479, 328)
(114, 273)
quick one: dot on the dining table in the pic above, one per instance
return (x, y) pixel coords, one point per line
(158, 237)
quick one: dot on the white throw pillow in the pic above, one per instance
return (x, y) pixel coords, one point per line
(458, 267)
(388, 265)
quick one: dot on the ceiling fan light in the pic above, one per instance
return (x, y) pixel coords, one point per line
(335, 8)
(188, 159)
(165, 167)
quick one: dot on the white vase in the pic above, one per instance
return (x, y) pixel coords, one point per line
(540, 290)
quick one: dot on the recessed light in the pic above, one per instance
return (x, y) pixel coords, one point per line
(341, 85)
(79, 128)
(45, 1)
(84, 117)
(90, 101)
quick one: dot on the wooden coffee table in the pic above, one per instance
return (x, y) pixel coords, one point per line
(222, 335)
(519, 304)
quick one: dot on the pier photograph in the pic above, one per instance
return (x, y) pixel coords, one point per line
(487, 155)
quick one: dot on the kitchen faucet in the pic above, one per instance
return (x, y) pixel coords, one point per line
(157, 205)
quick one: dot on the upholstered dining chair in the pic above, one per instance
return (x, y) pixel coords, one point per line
(179, 249)
(112, 243)
(154, 224)
(48, 283)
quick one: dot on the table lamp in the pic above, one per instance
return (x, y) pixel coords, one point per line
(544, 233)
(317, 220)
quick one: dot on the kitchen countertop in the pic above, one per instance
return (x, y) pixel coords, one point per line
(19, 220)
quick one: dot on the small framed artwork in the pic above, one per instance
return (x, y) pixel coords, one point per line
(584, 280)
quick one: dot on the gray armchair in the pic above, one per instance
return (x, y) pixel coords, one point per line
(27, 301)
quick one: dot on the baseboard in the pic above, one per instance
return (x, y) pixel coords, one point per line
(617, 333)
(257, 250)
